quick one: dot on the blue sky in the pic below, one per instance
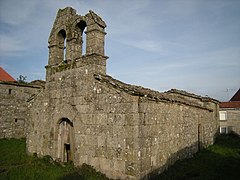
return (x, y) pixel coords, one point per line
(192, 45)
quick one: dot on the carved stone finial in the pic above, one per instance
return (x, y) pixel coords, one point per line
(97, 19)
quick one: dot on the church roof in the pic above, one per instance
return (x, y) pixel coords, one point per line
(4, 76)
(151, 94)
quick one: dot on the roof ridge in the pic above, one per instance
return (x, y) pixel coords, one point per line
(146, 92)
(236, 96)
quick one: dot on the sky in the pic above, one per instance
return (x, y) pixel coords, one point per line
(191, 45)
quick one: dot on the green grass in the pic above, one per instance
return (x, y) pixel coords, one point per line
(219, 161)
(15, 164)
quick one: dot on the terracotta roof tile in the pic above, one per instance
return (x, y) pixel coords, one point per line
(4, 76)
(233, 104)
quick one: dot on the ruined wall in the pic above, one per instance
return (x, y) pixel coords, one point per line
(66, 42)
(171, 131)
(14, 108)
(117, 146)
(104, 122)
(117, 128)
(210, 123)
(166, 127)
(122, 130)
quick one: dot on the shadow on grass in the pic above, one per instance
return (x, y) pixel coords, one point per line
(85, 172)
(229, 141)
(72, 176)
(219, 161)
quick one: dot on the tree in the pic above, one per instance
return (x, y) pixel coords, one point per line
(22, 79)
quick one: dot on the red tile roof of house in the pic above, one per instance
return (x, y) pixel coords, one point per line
(236, 96)
(4, 76)
(233, 104)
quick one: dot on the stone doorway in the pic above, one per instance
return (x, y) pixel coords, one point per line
(67, 151)
(65, 140)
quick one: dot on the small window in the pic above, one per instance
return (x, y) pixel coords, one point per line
(223, 115)
(9, 91)
(223, 130)
(16, 120)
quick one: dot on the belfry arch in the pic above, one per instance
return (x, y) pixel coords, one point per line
(81, 26)
(61, 40)
(76, 39)
(65, 140)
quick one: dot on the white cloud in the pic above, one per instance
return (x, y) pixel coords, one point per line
(158, 46)
(187, 44)
(16, 12)
(10, 46)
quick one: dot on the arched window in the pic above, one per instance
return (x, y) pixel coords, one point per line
(61, 37)
(81, 26)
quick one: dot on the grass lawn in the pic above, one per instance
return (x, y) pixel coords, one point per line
(16, 165)
(219, 161)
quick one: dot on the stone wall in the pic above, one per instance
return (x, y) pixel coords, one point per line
(119, 129)
(166, 127)
(171, 131)
(66, 41)
(124, 131)
(14, 108)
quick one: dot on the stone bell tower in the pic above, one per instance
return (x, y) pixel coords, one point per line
(66, 42)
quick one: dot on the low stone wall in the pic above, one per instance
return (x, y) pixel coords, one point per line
(14, 108)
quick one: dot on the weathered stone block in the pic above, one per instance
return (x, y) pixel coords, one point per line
(131, 168)
(132, 119)
(119, 166)
(104, 164)
(101, 141)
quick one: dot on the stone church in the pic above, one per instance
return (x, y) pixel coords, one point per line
(125, 131)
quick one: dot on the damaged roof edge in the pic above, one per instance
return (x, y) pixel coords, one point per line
(31, 84)
(148, 93)
(185, 93)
